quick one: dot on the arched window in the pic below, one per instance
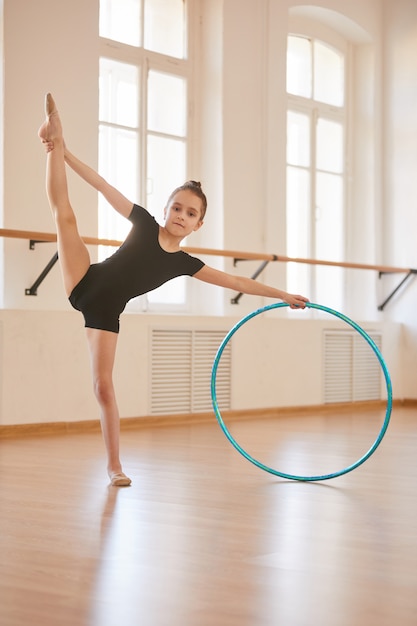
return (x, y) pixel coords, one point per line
(316, 170)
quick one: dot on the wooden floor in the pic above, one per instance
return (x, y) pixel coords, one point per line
(205, 538)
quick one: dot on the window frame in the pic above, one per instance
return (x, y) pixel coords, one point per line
(146, 61)
(315, 110)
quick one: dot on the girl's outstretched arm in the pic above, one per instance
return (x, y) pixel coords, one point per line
(249, 286)
(116, 199)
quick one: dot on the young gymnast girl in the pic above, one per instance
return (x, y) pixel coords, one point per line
(149, 257)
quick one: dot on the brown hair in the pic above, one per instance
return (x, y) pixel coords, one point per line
(195, 187)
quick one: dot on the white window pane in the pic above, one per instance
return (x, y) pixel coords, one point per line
(298, 231)
(299, 66)
(298, 211)
(118, 164)
(120, 20)
(329, 152)
(166, 171)
(118, 159)
(328, 75)
(118, 93)
(329, 217)
(165, 27)
(172, 292)
(329, 286)
(298, 139)
(329, 240)
(298, 278)
(167, 103)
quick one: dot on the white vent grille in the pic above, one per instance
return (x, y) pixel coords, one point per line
(181, 364)
(352, 371)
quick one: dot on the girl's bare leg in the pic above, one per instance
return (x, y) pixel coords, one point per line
(73, 255)
(102, 345)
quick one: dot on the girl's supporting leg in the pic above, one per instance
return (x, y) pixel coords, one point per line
(73, 255)
(102, 345)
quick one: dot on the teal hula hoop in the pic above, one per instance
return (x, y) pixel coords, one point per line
(266, 468)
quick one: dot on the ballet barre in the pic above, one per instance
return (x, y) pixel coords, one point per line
(35, 237)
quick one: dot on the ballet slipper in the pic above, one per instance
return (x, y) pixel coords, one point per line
(120, 480)
(51, 129)
(50, 106)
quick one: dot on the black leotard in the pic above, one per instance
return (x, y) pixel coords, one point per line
(138, 266)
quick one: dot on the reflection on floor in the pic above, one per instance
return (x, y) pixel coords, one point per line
(205, 538)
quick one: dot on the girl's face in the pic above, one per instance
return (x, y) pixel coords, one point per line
(183, 214)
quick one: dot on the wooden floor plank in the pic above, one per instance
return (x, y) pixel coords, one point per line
(203, 537)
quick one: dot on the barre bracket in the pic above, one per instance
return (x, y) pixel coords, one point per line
(255, 275)
(406, 278)
(33, 290)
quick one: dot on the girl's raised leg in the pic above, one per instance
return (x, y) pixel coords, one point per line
(73, 255)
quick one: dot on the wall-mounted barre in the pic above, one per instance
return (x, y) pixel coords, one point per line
(39, 237)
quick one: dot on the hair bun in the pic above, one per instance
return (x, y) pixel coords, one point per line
(195, 183)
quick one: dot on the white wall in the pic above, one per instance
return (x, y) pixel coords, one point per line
(45, 370)
(400, 167)
(49, 45)
(240, 151)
